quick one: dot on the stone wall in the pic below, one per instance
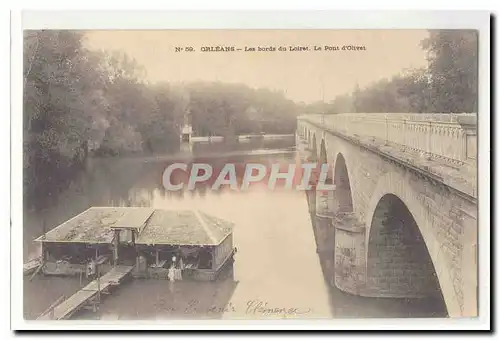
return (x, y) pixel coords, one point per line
(398, 263)
(446, 217)
(325, 203)
(350, 260)
(324, 235)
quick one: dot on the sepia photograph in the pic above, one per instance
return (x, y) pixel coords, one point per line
(249, 174)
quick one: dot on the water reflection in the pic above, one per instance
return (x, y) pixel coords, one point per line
(347, 305)
(205, 148)
(136, 181)
(156, 299)
(284, 257)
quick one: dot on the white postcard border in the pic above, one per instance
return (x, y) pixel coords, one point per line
(251, 20)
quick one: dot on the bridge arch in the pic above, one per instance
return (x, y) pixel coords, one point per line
(314, 148)
(324, 159)
(395, 208)
(343, 192)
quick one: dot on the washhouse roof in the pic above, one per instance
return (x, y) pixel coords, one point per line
(184, 227)
(154, 226)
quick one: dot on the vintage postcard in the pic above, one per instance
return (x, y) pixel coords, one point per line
(249, 174)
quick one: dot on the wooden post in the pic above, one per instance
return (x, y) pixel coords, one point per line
(116, 243)
(212, 251)
(97, 273)
(135, 249)
(133, 240)
(51, 308)
(157, 258)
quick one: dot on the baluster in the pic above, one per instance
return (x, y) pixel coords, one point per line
(454, 142)
(412, 135)
(428, 137)
(404, 134)
(386, 131)
(442, 142)
(417, 136)
(463, 142)
(449, 137)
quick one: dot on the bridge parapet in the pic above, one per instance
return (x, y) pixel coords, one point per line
(407, 185)
(452, 137)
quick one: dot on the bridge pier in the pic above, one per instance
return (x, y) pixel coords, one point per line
(340, 237)
(320, 208)
(311, 201)
(404, 224)
(350, 260)
(324, 232)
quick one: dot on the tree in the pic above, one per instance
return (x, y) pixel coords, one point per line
(448, 84)
(59, 78)
(453, 68)
(76, 99)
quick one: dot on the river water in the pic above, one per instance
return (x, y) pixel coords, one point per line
(277, 272)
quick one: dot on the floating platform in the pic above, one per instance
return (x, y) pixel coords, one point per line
(136, 242)
(32, 265)
(86, 295)
(152, 240)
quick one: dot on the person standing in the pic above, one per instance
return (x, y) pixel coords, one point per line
(171, 275)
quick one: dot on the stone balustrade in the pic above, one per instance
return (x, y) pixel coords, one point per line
(452, 137)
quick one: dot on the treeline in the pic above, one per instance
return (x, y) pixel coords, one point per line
(78, 101)
(448, 85)
(235, 109)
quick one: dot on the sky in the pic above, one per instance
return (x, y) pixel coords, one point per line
(302, 75)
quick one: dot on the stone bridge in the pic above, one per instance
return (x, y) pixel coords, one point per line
(403, 214)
